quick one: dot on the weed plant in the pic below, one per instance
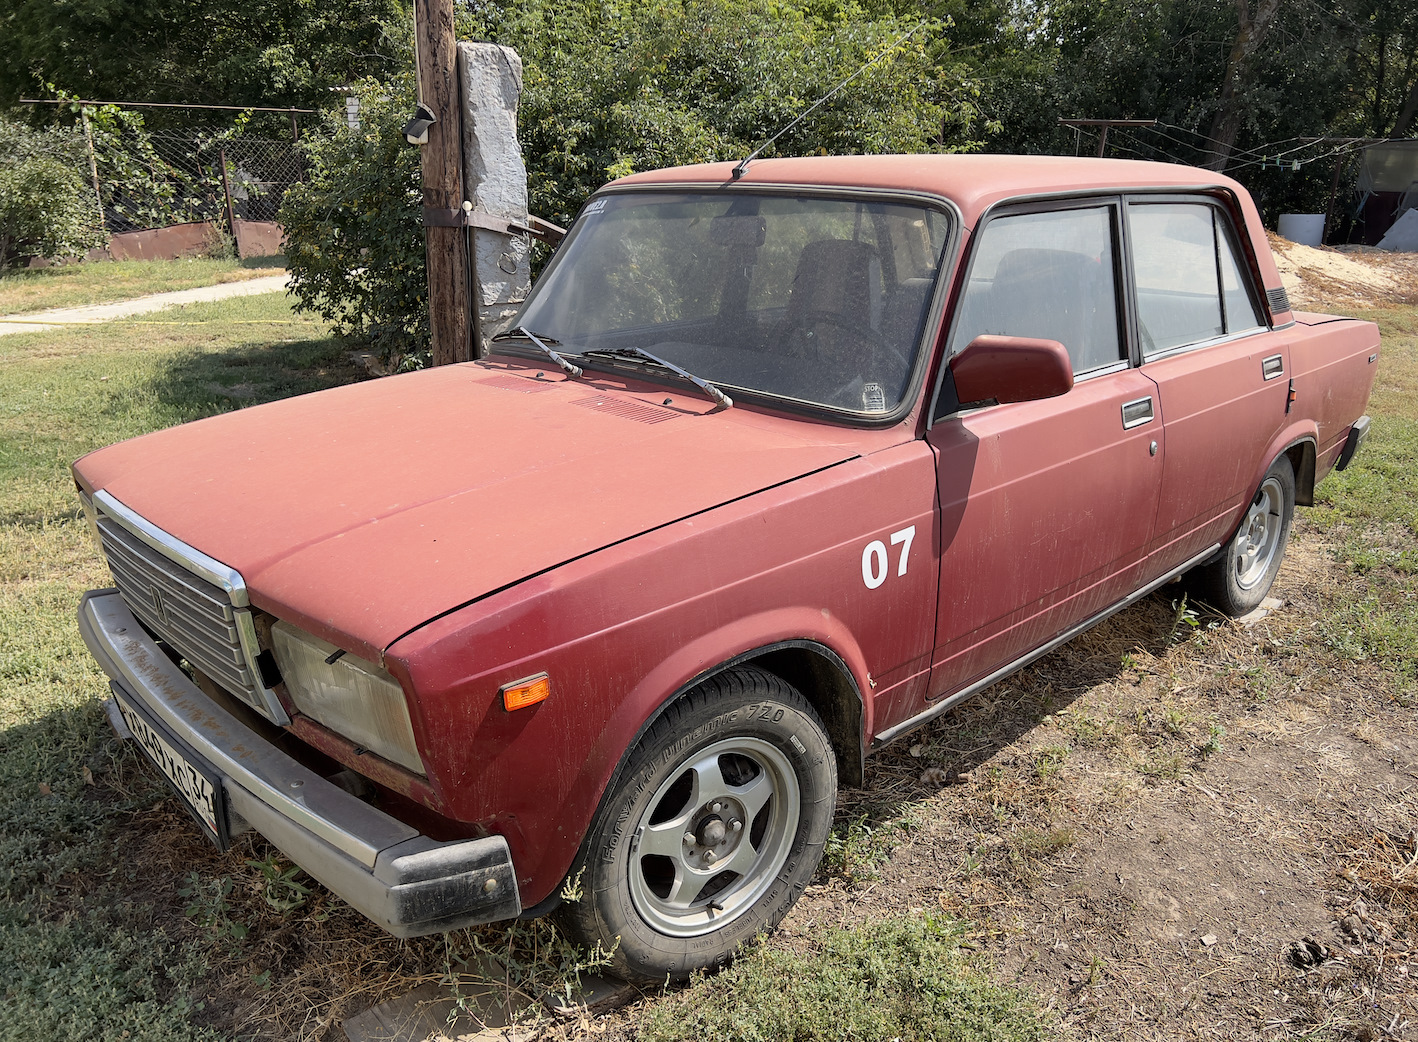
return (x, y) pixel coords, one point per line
(891, 979)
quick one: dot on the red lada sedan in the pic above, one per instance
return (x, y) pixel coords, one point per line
(769, 470)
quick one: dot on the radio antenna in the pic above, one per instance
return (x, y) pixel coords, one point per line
(739, 170)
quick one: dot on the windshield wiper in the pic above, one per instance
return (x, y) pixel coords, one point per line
(725, 402)
(526, 334)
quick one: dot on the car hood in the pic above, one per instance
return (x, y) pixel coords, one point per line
(367, 510)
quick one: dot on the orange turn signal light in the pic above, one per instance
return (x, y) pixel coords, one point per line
(524, 693)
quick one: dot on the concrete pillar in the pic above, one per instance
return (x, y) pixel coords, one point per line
(496, 178)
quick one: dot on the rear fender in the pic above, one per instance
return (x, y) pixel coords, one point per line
(1298, 441)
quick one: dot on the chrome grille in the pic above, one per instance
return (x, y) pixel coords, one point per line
(190, 614)
(194, 603)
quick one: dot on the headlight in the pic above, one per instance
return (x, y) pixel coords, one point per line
(352, 697)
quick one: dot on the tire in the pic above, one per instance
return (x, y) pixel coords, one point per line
(1238, 580)
(742, 748)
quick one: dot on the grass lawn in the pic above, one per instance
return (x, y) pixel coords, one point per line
(118, 921)
(75, 285)
(92, 945)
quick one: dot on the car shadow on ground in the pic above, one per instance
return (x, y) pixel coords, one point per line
(952, 748)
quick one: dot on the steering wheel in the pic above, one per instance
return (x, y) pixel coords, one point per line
(802, 328)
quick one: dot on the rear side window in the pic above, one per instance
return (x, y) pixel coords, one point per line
(1048, 275)
(1190, 286)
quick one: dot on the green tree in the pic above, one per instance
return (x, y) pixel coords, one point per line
(260, 52)
(610, 88)
(1346, 68)
(47, 206)
(616, 86)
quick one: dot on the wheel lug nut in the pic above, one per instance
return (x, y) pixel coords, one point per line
(716, 808)
(736, 825)
(689, 838)
(709, 855)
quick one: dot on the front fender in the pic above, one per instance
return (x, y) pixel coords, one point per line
(720, 649)
(622, 631)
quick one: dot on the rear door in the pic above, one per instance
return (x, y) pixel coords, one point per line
(1223, 377)
(1046, 507)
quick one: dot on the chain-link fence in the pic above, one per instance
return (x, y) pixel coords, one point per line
(173, 187)
(155, 179)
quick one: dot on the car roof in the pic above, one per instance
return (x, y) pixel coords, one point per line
(972, 182)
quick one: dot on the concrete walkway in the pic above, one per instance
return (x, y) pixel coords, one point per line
(57, 318)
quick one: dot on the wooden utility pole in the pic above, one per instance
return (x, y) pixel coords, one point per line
(442, 166)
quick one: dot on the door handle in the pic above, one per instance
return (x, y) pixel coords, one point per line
(1272, 367)
(1137, 412)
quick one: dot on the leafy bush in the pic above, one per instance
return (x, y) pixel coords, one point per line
(47, 206)
(354, 241)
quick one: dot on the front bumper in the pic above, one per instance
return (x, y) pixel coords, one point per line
(404, 881)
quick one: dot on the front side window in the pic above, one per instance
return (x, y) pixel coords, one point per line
(1046, 275)
(816, 300)
(1190, 287)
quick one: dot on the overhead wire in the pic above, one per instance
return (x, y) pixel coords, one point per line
(1238, 158)
(1258, 151)
(1347, 149)
(1154, 149)
(1269, 150)
(1251, 152)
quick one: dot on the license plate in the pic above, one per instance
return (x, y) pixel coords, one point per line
(199, 786)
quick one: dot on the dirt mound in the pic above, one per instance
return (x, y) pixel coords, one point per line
(1357, 277)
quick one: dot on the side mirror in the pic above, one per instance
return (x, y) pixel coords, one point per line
(1011, 369)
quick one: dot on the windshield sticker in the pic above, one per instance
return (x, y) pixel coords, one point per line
(595, 206)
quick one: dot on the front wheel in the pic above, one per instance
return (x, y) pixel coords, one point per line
(1237, 581)
(714, 828)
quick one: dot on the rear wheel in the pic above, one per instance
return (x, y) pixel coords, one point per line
(1237, 581)
(715, 827)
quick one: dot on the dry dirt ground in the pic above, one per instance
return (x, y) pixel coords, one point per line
(1354, 277)
(1206, 834)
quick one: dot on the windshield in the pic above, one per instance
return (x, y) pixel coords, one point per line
(817, 300)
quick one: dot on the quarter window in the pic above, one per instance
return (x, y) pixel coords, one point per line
(1047, 275)
(1241, 312)
(1190, 287)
